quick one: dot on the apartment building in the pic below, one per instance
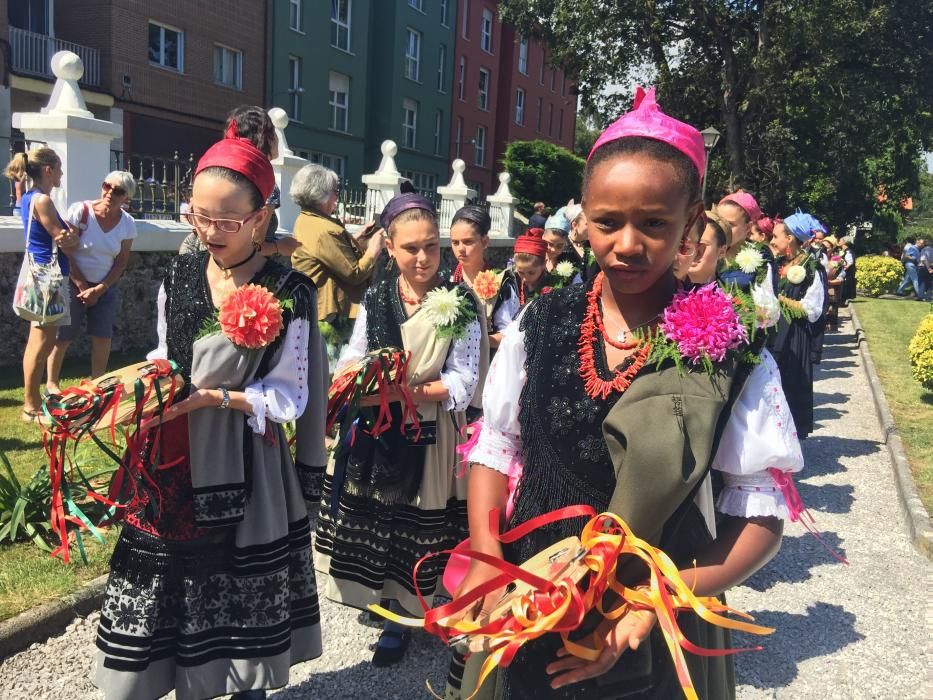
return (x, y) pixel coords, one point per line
(169, 71)
(504, 90)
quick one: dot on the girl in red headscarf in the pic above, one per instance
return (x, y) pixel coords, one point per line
(212, 587)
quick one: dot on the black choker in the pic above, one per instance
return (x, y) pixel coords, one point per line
(239, 264)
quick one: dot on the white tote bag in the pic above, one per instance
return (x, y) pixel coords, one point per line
(39, 294)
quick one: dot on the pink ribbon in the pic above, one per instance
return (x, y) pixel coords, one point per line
(796, 508)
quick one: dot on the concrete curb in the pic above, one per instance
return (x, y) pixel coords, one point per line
(40, 623)
(918, 520)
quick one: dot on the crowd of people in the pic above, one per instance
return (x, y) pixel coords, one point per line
(596, 369)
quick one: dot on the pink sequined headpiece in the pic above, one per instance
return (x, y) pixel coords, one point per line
(648, 121)
(748, 204)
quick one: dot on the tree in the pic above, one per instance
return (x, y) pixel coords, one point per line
(585, 136)
(820, 103)
(542, 171)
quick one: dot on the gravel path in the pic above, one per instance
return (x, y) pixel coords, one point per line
(842, 632)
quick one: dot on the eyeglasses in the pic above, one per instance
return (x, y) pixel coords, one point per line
(115, 190)
(202, 223)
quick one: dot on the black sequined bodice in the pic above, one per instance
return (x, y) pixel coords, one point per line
(566, 461)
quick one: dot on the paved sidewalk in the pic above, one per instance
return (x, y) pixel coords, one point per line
(842, 632)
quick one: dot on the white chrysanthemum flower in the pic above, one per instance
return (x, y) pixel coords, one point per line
(767, 306)
(442, 306)
(564, 269)
(749, 259)
(796, 274)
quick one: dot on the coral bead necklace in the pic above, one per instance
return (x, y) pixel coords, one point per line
(595, 386)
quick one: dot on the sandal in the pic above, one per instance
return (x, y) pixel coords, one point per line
(28, 416)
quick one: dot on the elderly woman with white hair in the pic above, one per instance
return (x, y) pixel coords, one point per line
(103, 251)
(339, 265)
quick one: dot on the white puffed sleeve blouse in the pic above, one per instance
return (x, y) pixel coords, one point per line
(760, 435)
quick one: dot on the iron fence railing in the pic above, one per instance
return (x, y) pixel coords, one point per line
(162, 184)
(351, 204)
(31, 54)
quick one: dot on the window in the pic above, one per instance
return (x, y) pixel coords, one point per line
(438, 123)
(540, 109)
(413, 55)
(479, 148)
(339, 102)
(465, 23)
(409, 122)
(441, 67)
(550, 119)
(563, 85)
(541, 71)
(485, 36)
(228, 67)
(294, 88)
(340, 24)
(560, 125)
(519, 106)
(462, 75)
(445, 20)
(459, 135)
(329, 160)
(553, 76)
(167, 47)
(417, 4)
(294, 15)
(483, 100)
(523, 55)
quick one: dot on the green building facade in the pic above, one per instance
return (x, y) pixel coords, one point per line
(352, 73)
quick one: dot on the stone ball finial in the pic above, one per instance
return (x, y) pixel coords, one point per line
(458, 165)
(67, 65)
(279, 117)
(389, 148)
(504, 178)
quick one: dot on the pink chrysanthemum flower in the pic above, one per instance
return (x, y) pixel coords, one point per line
(704, 323)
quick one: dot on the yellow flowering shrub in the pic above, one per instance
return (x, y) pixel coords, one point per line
(878, 274)
(920, 351)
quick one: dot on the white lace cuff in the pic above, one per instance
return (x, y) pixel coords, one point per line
(497, 450)
(257, 399)
(751, 495)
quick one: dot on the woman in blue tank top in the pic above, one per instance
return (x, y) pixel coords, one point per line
(42, 226)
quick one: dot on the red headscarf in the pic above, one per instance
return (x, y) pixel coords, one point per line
(532, 242)
(241, 156)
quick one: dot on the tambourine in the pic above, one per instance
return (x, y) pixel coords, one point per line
(371, 375)
(117, 398)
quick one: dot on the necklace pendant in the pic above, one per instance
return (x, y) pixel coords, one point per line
(620, 337)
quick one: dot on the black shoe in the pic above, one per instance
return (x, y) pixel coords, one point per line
(389, 655)
(249, 695)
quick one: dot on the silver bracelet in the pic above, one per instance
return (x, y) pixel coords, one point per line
(225, 400)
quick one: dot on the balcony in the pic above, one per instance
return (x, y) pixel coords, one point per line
(32, 53)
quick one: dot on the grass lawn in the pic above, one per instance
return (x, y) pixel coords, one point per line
(889, 325)
(29, 576)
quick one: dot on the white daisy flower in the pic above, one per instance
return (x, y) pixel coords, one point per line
(442, 306)
(749, 259)
(564, 269)
(796, 274)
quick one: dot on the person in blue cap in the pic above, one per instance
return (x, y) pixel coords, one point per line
(801, 290)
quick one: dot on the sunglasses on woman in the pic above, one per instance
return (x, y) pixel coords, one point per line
(115, 190)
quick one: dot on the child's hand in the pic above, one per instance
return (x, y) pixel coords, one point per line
(478, 574)
(201, 398)
(631, 629)
(392, 394)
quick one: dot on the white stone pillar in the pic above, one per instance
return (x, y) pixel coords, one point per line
(286, 166)
(453, 196)
(70, 129)
(502, 208)
(382, 185)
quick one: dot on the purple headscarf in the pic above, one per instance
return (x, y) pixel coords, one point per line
(402, 202)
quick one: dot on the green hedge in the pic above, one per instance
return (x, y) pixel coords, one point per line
(878, 274)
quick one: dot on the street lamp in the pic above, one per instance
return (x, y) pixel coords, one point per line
(710, 139)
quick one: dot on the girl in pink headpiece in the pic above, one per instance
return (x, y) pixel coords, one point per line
(622, 394)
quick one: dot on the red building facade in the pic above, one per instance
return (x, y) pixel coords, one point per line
(503, 90)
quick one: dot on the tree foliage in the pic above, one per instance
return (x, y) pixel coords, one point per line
(820, 103)
(542, 171)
